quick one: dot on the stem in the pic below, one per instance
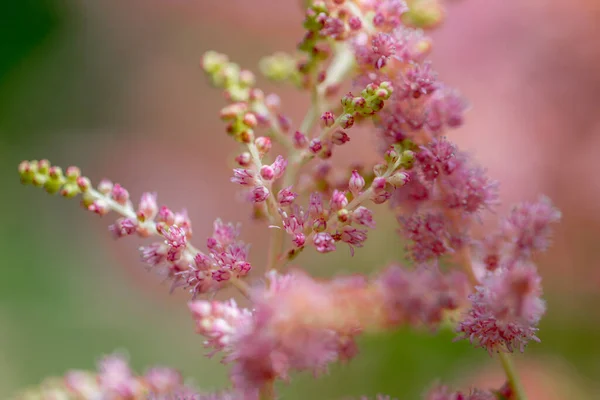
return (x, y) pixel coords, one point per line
(509, 369)
(275, 248)
(242, 286)
(512, 377)
(267, 391)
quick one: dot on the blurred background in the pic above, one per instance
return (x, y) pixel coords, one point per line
(115, 88)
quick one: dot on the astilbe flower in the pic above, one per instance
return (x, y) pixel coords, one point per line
(441, 392)
(437, 193)
(115, 381)
(505, 311)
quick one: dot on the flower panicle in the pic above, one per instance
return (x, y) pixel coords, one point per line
(174, 257)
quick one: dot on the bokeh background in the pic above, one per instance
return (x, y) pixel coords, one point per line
(115, 87)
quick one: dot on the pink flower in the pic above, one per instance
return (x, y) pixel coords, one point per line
(219, 322)
(148, 208)
(286, 196)
(123, 227)
(420, 297)
(323, 242)
(505, 310)
(363, 216)
(527, 227)
(428, 234)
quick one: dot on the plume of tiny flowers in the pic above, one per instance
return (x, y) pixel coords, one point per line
(505, 310)
(297, 323)
(441, 392)
(114, 380)
(174, 256)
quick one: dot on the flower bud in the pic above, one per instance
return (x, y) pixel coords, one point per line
(356, 183)
(259, 194)
(338, 200)
(327, 119)
(315, 146)
(340, 137)
(399, 179)
(263, 144)
(267, 173)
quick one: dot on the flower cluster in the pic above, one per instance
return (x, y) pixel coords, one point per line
(115, 380)
(488, 288)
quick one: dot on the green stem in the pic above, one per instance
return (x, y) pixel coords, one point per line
(275, 248)
(267, 391)
(513, 377)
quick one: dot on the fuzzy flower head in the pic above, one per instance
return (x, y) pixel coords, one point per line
(505, 310)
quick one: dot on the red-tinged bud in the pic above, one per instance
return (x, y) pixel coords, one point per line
(315, 146)
(378, 184)
(391, 155)
(300, 140)
(273, 102)
(246, 136)
(399, 179)
(263, 144)
(338, 200)
(267, 173)
(327, 119)
(43, 166)
(343, 215)
(346, 121)
(355, 23)
(250, 120)
(233, 110)
(380, 169)
(244, 159)
(356, 183)
(119, 194)
(340, 137)
(105, 186)
(247, 78)
(259, 194)
(70, 190)
(99, 207)
(84, 183)
(319, 225)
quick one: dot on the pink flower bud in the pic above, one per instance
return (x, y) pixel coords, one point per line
(267, 173)
(315, 146)
(286, 197)
(119, 194)
(123, 227)
(319, 225)
(242, 176)
(244, 159)
(354, 23)
(259, 194)
(105, 186)
(363, 216)
(279, 166)
(166, 216)
(379, 184)
(99, 207)
(338, 200)
(327, 119)
(340, 137)
(300, 140)
(250, 120)
(346, 121)
(148, 208)
(399, 179)
(84, 183)
(263, 144)
(323, 242)
(356, 183)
